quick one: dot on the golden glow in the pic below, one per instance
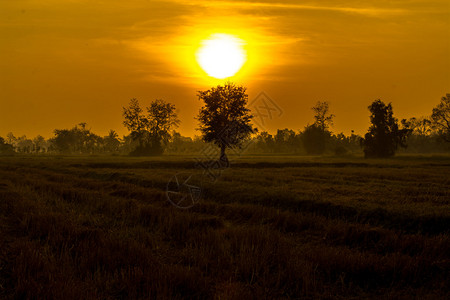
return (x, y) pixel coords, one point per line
(221, 56)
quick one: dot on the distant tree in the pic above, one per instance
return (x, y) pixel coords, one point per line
(162, 117)
(178, 143)
(423, 138)
(265, 142)
(38, 143)
(24, 144)
(286, 141)
(86, 142)
(136, 122)
(5, 148)
(314, 139)
(384, 135)
(11, 139)
(346, 144)
(152, 131)
(63, 141)
(94, 143)
(419, 126)
(441, 118)
(323, 119)
(79, 140)
(182, 144)
(128, 144)
(111, 141)
(83, 139)
(224, 118)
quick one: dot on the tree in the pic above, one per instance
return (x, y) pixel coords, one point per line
(343, 144)
(63, 141)
(314, 139)
(224, 119)
(76, 140)
(441, 118)
(135, 121)
(265, 142)
(285, 141)
(5, 148)
(419, 126)
(323, 119)
(39, 143)
(111, 141)
(10, 138)
(182, 144)
(316, 136)
(384, 135)
(24, 144)
(162, 117)
(152, 131)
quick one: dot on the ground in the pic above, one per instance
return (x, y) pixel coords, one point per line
(267, 227)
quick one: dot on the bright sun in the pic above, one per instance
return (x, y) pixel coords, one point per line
(221, 55)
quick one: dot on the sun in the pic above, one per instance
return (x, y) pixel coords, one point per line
(221, 55)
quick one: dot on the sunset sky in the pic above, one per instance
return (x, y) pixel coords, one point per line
(63, 62)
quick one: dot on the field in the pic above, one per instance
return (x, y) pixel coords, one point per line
(268, 227)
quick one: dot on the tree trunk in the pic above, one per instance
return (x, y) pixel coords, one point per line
(223, 157)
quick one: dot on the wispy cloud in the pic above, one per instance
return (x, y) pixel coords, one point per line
(368, 11)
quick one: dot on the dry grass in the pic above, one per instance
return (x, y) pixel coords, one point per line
(101, 228)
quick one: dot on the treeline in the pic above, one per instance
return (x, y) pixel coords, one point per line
(285, 141)
(78, 140)
(308, 141)
(152, 133)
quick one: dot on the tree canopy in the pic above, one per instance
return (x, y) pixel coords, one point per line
(323, 119)
(5, 148)
(224, 118)
(151, 131)
(384, 135)
(441, 117)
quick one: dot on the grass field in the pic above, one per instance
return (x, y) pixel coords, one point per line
(268, 227)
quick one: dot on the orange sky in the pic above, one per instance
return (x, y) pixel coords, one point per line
(63, 62)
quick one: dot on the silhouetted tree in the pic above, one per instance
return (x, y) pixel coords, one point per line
(162, 117)
(152, 131)
(5, 148)
(183, 144)
(111, 141)
(384, 135)
(265, 142)
(224, 119)
(441, 118)
(323, 119)
(343, 144)
(286, 141)
(179, 143)
(78, 140)
(93, 143)
(39, 143)
(63, 141)
(340, 142)
(135, 122)
(316, 136)
(10, 138)
(314, 139)
(419, 126)
(24, 144)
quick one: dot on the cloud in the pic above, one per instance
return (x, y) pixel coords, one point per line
(371, 11)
